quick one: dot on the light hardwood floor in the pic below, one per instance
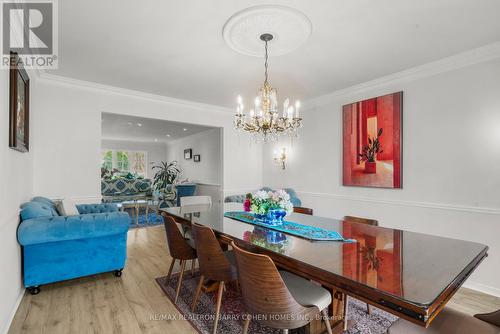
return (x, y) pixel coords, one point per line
(130, 304)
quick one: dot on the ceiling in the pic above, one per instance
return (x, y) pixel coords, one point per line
(120, 127)
(176, 48)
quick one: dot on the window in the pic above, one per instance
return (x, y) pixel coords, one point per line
(125, 161)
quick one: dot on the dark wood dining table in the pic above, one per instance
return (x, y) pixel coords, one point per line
(408, 274)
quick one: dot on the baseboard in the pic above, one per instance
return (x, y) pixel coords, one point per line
(5, 330)
(489, 290)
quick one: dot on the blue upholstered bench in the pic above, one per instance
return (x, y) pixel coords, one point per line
(57, 248)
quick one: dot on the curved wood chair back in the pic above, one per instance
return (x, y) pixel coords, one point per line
(177, 245)
(305, 211)
(213, 263)
(359, 220)
(265, 293)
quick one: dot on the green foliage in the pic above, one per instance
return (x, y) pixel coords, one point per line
(166, 174)
(372, 148)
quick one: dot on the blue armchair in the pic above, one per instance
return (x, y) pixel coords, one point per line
(57, 248)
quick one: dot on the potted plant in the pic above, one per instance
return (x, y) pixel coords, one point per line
(269, 207)
(369, 153)
(165, 176)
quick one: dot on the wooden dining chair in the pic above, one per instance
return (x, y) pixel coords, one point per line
(305, 211)
(278, 299)
(451, 321)
(359, 220)
(215, 265)
(179, 248)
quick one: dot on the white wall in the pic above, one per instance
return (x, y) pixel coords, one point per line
(156, 151)
(208, 145)
(451, 159)
(67, 156)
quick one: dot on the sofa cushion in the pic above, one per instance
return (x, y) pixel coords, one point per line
(47, 201)
(67, 207)
(32, 210)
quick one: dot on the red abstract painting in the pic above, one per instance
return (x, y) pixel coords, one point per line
(372, 142)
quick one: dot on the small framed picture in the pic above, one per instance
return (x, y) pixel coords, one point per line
(188, 153)
(197, 158)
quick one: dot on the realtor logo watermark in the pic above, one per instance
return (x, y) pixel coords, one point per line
(29, 29)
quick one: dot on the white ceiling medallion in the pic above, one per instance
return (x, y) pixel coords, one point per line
(290, 29)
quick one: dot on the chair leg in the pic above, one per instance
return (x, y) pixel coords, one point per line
(217, 308)
(193, 261)
(246, 323)
(197, 294)
(170, 269)
(345, 311)
(285, 331)
(327, 321)
(368, 308)
(183, 266)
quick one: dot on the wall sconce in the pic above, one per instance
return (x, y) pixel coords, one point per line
(280, 159)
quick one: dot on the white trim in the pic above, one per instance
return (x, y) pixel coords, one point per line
(489, 290)
(130, 92)
(5, 330)
(464, 59)
(430, 205)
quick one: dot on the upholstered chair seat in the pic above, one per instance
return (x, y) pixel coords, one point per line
(305, 292)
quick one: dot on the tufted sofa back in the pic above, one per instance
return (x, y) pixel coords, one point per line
(42, 207)
(96, 208)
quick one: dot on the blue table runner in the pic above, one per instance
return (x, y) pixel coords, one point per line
(303, 231)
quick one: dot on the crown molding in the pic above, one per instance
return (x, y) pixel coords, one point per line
(464, 59)
(62, 80)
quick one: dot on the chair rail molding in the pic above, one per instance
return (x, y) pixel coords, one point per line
(431, 205)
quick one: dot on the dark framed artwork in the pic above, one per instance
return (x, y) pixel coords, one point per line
(372, 142)
(196, 158)
(19, 128)
(188, 153)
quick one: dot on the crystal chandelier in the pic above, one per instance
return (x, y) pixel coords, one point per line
(264, 121)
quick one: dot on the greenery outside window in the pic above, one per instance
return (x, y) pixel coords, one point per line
(134, 162)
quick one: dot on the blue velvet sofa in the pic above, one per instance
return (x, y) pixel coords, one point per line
(57, 248)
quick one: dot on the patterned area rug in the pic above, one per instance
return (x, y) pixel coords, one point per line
(232, 307)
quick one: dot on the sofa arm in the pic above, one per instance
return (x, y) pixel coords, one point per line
(54, 229)
(96, 208)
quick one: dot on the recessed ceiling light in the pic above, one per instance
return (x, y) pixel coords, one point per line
(139, 124)
(167, 135)
(156, 139)
(184, 129)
